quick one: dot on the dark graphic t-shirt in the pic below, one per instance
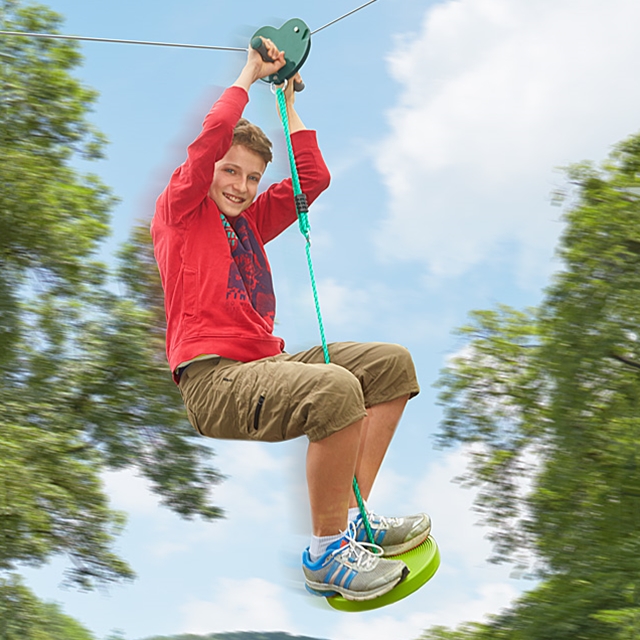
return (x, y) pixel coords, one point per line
(249, 275)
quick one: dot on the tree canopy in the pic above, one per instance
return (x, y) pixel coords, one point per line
(548, 401)
(23, 616)
(84, 385)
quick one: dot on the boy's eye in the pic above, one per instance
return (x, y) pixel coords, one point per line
(254, 178)
(229, 170)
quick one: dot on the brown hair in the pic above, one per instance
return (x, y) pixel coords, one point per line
(253, 138)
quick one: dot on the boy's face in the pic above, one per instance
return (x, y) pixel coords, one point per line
(236, 179)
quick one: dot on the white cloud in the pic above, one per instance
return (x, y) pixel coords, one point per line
(451, 508)
(238, 605)
(344, 306)
(129, 492)
(245, 465)
(255, 493)
(165, 549)
(488, 598)
(254, 487)
(495, 94)
(449, 505)
(376, 309)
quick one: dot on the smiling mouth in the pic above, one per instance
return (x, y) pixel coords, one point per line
(233, 199)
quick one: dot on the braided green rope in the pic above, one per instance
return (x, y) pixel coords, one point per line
(305, 228)
(303, 218)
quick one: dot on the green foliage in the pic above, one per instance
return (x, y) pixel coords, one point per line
(468, 631)
(625, 621)
(237, 635)
(23, 616)
(84, 385)
(549, 402)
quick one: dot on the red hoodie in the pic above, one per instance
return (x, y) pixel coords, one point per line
(215, 274)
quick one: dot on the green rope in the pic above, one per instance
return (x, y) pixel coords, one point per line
(303, 217)
(305, 228)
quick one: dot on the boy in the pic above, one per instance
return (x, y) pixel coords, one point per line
(209, 232)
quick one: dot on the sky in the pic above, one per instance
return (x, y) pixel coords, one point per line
(445, 126)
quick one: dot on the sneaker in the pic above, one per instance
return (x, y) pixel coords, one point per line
(394, 535)
(355, 570)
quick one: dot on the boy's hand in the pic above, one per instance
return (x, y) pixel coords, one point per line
(289, 91)
(256, 68)
(295, 124)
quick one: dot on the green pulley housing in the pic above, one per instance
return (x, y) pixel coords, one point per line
(294, 38)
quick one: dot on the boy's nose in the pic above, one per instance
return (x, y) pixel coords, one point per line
(238, 183)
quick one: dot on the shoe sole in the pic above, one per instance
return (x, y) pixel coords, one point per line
(320, 589)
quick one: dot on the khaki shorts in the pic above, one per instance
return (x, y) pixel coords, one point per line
(288, 396)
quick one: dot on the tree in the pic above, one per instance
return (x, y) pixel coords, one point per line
(82, 387)
(237, 635)
(548, 400)
(23, 616)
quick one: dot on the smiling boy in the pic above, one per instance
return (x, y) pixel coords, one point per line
(235, 180)
(209, 232)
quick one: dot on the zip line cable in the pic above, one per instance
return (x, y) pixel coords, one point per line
(366, 4)
(57, 36)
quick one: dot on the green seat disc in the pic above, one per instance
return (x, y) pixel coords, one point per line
(423, 562)
(294, 38)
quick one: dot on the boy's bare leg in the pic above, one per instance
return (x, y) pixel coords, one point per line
(331, 465)
(377, 432)
(359, 450)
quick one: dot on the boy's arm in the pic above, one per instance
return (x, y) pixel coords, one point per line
(295, 123)
(190, 182)
(274, 210)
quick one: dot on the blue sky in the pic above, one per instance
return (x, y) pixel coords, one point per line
(443, 124)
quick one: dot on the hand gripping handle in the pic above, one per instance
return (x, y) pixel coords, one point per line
(257, 43)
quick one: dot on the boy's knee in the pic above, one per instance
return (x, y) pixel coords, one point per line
(336, 402)
(395, 360)
(390, 374)
(339, 386)
(399, 354)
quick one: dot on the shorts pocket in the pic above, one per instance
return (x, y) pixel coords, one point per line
(256, 415)
(258, 403)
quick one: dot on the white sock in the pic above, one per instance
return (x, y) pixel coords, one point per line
(354, 512)
(319, 545)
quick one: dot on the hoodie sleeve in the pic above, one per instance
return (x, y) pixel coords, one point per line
(274, 210)
(190, 182)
